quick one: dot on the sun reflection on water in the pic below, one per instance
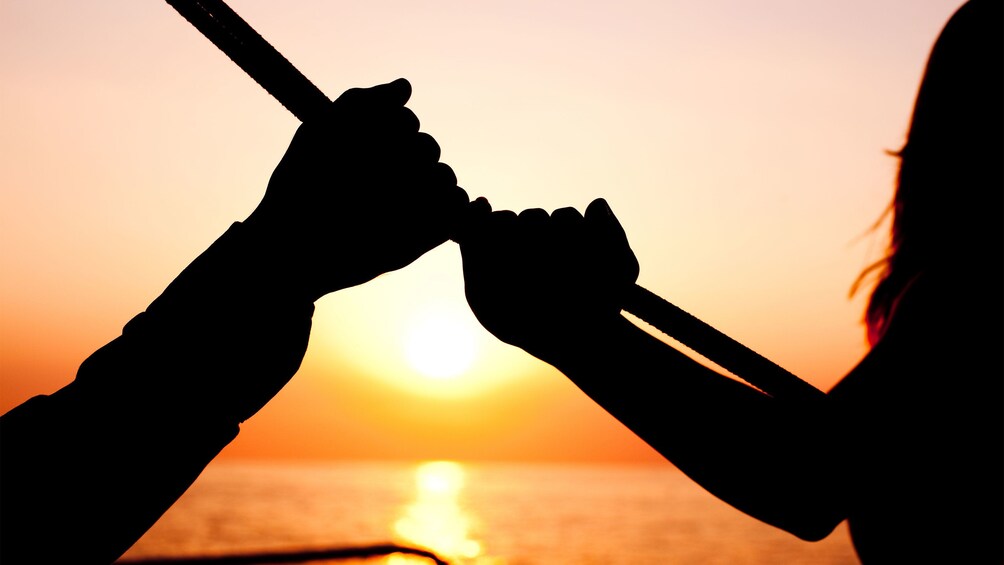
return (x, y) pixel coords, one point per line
(435, 519)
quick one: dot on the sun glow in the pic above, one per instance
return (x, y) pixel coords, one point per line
(440, 344)
(413, 330)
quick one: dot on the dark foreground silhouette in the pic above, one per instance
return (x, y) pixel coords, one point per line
(305, 556)
(86, 470)
(908, 446)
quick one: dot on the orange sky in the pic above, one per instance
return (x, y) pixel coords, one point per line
(741, 144)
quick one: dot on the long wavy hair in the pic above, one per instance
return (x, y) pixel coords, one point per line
(949, 196)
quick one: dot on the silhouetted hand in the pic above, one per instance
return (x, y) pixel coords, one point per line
(359, 192)
(539, 281)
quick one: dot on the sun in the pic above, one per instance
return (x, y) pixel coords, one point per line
(440, 345)
(414, 331)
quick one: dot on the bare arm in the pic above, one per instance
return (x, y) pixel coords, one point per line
(550, 285)
(86, 470)
(774, 460)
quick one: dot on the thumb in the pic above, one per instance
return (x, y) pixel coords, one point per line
(600, 218)
(604, 226)
(394, 93)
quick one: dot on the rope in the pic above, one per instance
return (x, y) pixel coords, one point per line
(712, 344)
(262, 62)
(291, 557)
(284, 82)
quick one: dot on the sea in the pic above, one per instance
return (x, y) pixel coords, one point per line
(473, 514)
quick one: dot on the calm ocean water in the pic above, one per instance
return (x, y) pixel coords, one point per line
(476, 514)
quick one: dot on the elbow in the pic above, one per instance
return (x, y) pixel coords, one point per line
(811, 518)
(814, 523)
(815, 507)
(808, 525)
(814, 531)
(804, 522)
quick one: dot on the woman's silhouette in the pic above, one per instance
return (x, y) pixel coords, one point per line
(908, 446)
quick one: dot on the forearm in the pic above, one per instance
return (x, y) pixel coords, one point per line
(776, 461)
(84, 476)
(87, 470)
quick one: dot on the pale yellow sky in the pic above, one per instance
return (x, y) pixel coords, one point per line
(742, 145)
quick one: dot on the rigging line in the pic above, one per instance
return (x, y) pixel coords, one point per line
(305, 556)
(262, 62)
(717, 347)
(239, 41)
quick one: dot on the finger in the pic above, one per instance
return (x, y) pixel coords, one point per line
(480, 208)
(566, 217)
(533, 218)
(534, 239)
(426, 149)
(474, 214)
(484, 225)
(377, 122)
(374, 111)
(441, 174)
(533, 227)
(499, 227)
(567, 225)
(395, 93)
(406, 120)
(502, 221)
(489, 254)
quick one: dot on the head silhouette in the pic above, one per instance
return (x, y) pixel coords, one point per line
(950, 188)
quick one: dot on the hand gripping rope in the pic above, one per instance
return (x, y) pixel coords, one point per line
(239, 41)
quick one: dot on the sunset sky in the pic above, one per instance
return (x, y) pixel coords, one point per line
(742, 145)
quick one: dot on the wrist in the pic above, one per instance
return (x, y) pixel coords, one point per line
(595, 343)
(253, 262)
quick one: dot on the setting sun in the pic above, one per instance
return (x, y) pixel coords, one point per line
(413, 330)
(440, 344)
